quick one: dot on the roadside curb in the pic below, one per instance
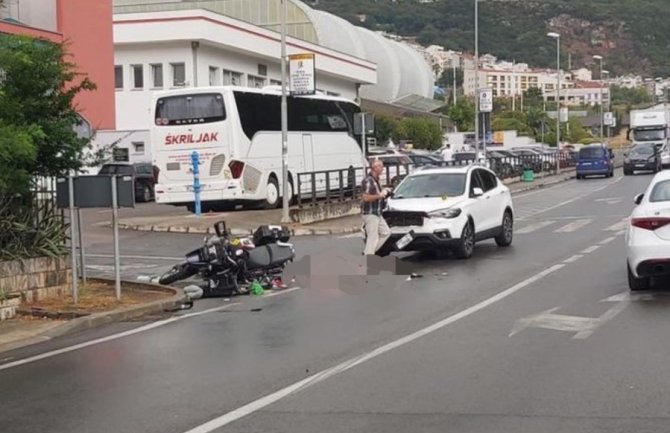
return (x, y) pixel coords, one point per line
(98, 319)
(301, 231)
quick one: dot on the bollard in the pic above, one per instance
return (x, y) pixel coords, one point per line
(195, 162)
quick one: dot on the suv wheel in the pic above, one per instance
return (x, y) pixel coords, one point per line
(467, 243)
(504, 239)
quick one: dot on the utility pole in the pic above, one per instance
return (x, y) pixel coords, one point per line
(476, 75)
(284, 118)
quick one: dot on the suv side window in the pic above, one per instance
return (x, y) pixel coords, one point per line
(489, 181)
(475, 181)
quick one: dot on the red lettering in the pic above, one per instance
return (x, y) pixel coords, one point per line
(183, 139)
(214, 136)
(168, 140)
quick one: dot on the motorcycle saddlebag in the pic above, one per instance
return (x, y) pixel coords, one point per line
(269, 256)
(267, 234)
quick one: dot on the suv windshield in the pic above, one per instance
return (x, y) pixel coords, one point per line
(642, 150)
(432, 185)
(591, 152)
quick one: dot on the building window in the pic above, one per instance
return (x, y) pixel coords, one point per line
(275, 82)
(257, 82)
(157, 75)
(178, 74)
(231, 78)
(138, 147)
(138, 76)
(118, 77)
(263, 70)
(213, 76)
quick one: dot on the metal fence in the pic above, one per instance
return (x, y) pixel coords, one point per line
(30, 223)
(338, 186)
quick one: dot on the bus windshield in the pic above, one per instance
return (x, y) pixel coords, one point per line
(648, 134)
(190, 109)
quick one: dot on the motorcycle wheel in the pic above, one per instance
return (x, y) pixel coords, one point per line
(178, 272)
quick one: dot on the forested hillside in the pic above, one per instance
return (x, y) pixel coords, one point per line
(632, 35)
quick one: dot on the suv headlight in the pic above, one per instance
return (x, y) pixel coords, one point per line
(445, 213)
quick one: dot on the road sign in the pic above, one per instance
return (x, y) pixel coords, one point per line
(563, 113)
(609, 119)
(486, 100)
(302, 74)
(95, 192)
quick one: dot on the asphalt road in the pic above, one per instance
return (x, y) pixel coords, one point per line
(538, 337)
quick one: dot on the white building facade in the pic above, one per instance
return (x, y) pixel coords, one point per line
(163, 45)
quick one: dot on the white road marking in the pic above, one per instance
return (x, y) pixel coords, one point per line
(591, 249)
(534, 227)
(610, 200)
(609, 315)
(555, 322)
(584, 327)
(607, 241)
(573, 258)
(627, 296)
(112, 337)
(269, 399)
(618, 226)
(281, 292)
(574, 226)
(133, 331)
(579, 197)
(351, 236)
(159, 258)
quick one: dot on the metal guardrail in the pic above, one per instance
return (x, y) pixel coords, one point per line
(343, 185)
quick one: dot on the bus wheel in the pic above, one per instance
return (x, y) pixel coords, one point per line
(272, 194)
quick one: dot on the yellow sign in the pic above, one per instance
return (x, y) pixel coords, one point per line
(499, 137)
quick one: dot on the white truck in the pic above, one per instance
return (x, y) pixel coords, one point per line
(652, 126)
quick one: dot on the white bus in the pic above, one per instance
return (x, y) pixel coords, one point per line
(237, 132)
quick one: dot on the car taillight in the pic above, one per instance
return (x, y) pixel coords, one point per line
(236, 168)
(650, 223)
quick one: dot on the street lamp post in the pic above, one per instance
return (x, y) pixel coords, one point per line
(476, 75)
(558, 97)
(602, 129)
(284, 119)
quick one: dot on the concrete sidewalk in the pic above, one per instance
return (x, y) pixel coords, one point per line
(243, 223)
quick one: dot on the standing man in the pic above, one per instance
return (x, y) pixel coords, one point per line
(447, 154)
(374, 199)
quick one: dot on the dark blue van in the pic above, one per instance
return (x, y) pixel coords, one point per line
(595, 160)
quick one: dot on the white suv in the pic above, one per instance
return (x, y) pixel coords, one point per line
(449, 208)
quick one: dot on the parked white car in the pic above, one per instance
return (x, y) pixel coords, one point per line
(449, 208)
(648, 234)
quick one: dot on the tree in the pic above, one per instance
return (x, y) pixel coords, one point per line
(533, 97)
(423, 133)
(37, 114)
(634, 96)
(462, 114)
(384, 128)
(446, 79)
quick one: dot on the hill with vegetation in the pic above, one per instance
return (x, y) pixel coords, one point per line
(630, 34)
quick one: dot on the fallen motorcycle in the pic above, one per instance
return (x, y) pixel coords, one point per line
(228, 265)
